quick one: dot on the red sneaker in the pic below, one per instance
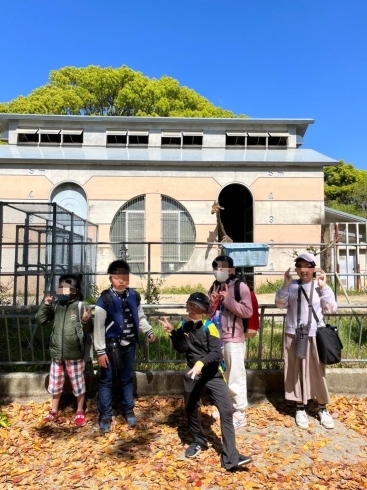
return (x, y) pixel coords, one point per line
(80, 419)
(50, 416)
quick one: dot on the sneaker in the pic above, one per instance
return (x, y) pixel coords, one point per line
(193, 450)
(301, 419)
(326, 420)
(80, 419)
(239, 420)
(104, 426)
(242, 460)
(130, 418)
(50, 416)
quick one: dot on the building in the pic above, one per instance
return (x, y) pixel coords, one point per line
(154, 180)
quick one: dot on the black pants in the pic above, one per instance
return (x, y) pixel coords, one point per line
(218, 392)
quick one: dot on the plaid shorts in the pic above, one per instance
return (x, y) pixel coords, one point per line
(75, 370)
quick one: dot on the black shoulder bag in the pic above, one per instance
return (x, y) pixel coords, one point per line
(329, 345)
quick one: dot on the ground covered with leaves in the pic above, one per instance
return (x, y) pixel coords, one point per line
(58, 455)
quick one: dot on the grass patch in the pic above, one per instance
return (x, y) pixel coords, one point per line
(270, 287)
(185, 289)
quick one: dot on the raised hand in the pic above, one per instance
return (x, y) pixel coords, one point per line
(224, 293)
(166, 324)
(321, 280)
(287, 278)
(48, 299)
(214, 295)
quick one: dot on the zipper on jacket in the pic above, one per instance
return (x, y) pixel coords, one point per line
(62, 336)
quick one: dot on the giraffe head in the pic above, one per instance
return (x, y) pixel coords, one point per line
(216, 208)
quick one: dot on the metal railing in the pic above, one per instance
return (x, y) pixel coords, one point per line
(24, 346)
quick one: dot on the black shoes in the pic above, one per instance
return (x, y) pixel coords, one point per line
(130, 418)
(104, 426)
(242, 460)
(193, 450)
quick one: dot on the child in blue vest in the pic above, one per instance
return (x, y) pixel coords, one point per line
(199, 340)
(118, 318)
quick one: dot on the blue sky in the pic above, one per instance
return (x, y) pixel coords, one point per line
(263, 58)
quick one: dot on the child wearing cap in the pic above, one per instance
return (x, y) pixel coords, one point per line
(304, 378)
(199, 340)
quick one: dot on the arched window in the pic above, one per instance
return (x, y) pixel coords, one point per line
(128, 225)
(177, 226)
(72, 197)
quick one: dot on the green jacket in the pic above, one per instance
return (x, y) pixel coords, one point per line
(68, 332)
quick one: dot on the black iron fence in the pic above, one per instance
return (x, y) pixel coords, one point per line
(24, 345)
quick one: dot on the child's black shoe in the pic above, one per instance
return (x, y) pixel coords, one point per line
(193, 450)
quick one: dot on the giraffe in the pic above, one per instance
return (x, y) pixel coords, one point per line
(222, 235)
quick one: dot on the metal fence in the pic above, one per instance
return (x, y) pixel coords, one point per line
(24, 346)
(38, 242)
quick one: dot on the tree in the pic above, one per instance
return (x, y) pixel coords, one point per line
(113, 92)
(346, 188)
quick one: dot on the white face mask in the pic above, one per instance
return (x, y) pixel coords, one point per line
(221, 276)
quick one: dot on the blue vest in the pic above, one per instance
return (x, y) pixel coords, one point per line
(115, 313)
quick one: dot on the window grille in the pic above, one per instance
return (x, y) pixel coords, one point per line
(128, 225)
(177, 226)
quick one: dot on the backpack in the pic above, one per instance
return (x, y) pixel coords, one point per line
(252, 323)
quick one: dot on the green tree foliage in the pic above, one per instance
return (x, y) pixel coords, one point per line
(113, 92)
(346, 188)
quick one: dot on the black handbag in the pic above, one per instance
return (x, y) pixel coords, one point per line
(329, 345)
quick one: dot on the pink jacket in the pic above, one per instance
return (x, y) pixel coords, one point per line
(232, 331)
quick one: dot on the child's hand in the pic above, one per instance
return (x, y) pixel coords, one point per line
(196, 370)
(86, 314)
(214, 295)
(103, 360)
(287, 278)
(48, 299)
(166, 324)
(321, 280)
(223, 294)
(151, 338)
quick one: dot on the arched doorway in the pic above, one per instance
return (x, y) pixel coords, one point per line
(72, 197)
(237, 215)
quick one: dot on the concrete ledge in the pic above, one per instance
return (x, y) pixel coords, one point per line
(340, 381)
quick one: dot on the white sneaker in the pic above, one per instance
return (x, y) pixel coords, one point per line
(239, 420)
(326, 419)
(301, 419)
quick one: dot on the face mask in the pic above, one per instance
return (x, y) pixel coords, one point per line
(63, 297)
(119, 291)
(221, 276)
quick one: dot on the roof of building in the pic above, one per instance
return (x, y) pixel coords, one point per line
(161, 122)
(162, 156)
(335, 216)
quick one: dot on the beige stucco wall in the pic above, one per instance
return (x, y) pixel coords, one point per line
(288, 205)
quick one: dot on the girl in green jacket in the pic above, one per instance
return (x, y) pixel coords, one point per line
(72, 320)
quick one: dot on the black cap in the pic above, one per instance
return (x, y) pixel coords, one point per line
(199, 299)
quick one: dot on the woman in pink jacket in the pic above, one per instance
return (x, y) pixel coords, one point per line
(227, 314)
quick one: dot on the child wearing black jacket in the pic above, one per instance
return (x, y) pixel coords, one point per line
(199, 340)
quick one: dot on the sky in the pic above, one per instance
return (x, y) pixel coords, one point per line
(263, 58)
